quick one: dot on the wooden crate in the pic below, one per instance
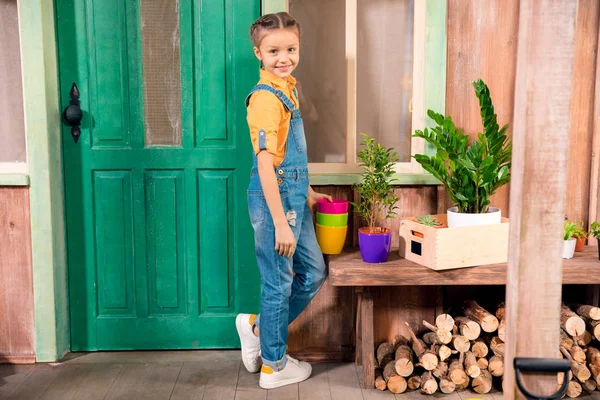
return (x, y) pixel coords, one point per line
(447, 248)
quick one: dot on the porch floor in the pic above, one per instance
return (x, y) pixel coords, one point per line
(178, 375)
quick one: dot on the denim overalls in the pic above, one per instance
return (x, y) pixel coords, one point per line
(284, 295)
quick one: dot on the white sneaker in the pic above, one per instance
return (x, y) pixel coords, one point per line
(295, 371)
(250, 342)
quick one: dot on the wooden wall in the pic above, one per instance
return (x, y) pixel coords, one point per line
(17, 330)
(482, 43)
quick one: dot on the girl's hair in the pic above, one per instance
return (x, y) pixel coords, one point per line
(269, 22)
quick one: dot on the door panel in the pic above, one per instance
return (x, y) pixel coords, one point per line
(158, 230)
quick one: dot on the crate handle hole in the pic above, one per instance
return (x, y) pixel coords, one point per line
(415, 247)
(417, 234)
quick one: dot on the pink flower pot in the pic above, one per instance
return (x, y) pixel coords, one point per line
(336, 206)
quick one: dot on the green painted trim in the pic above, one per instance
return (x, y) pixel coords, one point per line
(274, 6)
(435, 62)
(14, 180)
(42, 123)
(351, 179)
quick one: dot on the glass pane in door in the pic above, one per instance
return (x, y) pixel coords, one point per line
(161, 71)
(385, 73)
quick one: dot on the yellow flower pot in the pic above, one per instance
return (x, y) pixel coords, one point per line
(331, 239)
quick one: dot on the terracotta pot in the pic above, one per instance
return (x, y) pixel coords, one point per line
(580, 244)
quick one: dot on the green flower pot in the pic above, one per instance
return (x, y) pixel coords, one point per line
(336, 220)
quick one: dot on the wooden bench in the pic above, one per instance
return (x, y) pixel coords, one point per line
(348, 269)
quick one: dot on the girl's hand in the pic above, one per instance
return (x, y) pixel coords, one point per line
(314, 197)
(285, 242)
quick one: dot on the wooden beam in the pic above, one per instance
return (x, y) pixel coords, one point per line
(537, 192)
(594, 213)
(582, 111)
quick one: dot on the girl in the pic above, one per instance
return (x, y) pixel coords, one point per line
(280, 201)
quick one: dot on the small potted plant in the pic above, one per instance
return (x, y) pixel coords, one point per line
(428, 220)
(377, 199)
(595, 232)
(471, 173)
(580, 235)
(569, 239)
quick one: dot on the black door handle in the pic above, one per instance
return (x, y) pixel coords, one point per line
(542, 365)
(72, 115)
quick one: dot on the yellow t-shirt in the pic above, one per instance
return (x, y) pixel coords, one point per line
(267, 114)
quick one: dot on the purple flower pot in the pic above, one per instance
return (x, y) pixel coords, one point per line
(375, 247)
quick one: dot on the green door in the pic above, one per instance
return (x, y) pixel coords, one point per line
(160, 246)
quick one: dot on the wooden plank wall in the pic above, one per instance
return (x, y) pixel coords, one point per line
(482, 43)
(17, 330)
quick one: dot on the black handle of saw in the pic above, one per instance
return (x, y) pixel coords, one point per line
(524, 364)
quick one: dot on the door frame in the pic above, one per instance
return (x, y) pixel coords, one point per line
(39, 63)
(46, 191)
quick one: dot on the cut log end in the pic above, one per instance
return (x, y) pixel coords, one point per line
(574, 389)
(458, 376)
(483, 363)
(461, 344)
(445, 321)
(471, 330)
(404, 367)
(496, 366)
(379, 381)
(397, 384)
(489, 324)
(447, 386)
(483, 383)
(428, 361)
(414, 382)
(428, 383)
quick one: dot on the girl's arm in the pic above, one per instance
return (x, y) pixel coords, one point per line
(285, 243)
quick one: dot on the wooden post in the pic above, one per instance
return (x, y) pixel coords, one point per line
(367, 338)
(538, 185)
(594, 213)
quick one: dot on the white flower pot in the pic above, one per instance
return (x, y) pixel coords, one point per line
(493, 216)
(569, 248)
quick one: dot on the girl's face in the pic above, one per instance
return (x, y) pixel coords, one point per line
(279, 51)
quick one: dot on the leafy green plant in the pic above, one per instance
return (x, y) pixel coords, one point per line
(580, 233)
(377, 198)
(570, 230)
(428, 220)
(470, 173)
(595, 229)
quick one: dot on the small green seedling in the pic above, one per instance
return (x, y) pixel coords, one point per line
(428, 220)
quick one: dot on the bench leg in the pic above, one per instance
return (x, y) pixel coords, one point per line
(358, 336)
(367, 339)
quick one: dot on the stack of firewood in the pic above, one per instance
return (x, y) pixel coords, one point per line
(467, 351)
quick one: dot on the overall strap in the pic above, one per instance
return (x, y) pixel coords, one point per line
(287, 103)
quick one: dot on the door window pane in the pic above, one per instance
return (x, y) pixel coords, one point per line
(384, 65)
(162, 77)
(322, 77)
(12, 121)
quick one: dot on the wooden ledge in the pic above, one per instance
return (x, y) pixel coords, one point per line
(348, 269)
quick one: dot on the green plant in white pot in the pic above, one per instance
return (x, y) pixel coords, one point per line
(471, 173)
(569, 239)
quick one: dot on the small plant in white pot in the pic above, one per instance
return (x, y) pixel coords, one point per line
(471, 173)
(569, 239)
(377, 199)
